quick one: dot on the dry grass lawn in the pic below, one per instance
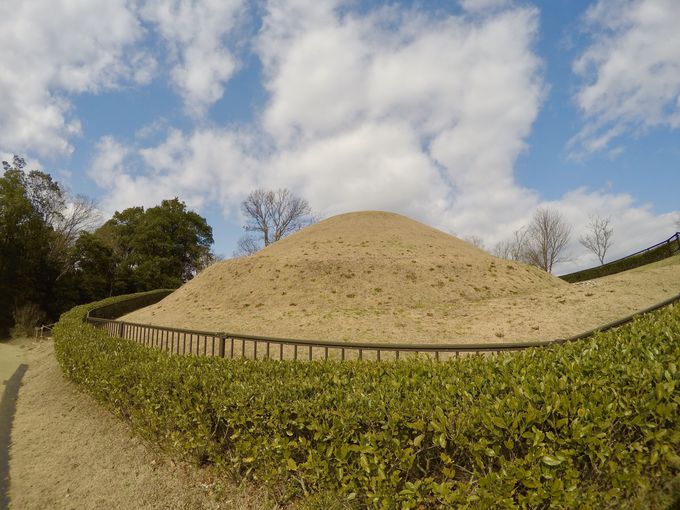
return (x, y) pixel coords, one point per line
(375, 276)
(68, 452)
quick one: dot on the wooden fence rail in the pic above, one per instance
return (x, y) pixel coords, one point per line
(229, 345)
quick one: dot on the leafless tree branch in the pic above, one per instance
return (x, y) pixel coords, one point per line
(247, 245)
(598, 240)
(515, 248)
(475, 241)
(274, 214)
(549, 235)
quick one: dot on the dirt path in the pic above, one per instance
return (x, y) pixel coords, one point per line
(12, 354)
(12, 369)
(68, 452)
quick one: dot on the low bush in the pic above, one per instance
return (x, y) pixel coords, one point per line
(592, 424)
(26, 318)
(618, 266)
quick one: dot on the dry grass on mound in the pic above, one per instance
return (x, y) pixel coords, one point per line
(69, 452)
(376, 276)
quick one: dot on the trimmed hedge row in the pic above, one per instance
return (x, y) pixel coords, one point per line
(119, 307)
(618, 266)
(593, 424)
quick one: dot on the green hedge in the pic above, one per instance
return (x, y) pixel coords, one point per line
(618, 266)
(127, 304)
(592, 424)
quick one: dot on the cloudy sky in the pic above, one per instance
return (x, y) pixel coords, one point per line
(466, 115)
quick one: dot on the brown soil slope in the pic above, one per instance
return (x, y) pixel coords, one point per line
(372, 276)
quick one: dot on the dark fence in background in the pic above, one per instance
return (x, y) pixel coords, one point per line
(228, 345)
(659, 251)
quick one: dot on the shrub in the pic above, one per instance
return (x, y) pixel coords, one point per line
(592, 424)
(26, 318)
(617, 266)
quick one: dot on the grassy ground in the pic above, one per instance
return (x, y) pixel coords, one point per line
(369, 276)
(379, 277)
(68, 452)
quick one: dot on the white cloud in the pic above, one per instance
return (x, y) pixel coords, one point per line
(482, 5)
(393, 110)
(207, 167)
(463, 95)
(195, 33)
(631, 71)
(636, 226)
(373, 166)
(51, 49)
(388, 110)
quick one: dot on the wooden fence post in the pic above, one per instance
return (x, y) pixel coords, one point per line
(223, 341)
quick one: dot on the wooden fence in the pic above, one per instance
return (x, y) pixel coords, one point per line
(228, 345)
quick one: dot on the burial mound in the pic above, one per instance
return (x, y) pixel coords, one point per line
(369, 276)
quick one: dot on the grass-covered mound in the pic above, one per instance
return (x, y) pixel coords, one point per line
(365, 276)
(593, 424)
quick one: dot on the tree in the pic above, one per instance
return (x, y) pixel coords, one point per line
(599, 237)
(50, 261)
(93, 272)
(275, 214)
(79, 216)
(163, 246)
(26, 275)
(475, 241)
(66, 216)
(549, 235)
(247, 245)
(516, 248)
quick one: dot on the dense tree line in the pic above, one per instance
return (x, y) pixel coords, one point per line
(55, 252)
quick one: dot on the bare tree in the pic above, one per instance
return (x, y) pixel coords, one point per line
(516, 248)
(79, 215)
(599, 237)
(475, 241)
(247, 245)
(67, 216)
(549, 235)
(275, 214)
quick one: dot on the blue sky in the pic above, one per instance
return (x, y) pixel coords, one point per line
(467, 115)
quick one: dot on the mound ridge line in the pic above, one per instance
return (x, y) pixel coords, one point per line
(365, 276)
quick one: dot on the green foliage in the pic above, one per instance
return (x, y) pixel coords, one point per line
(163, 246)
(48, 257)
(662, 252)
(27, 317)
(119, 307)
(24, 247)
(591, 424)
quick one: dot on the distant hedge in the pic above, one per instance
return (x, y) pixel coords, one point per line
(122, 306)
(591, 424)
(618, 266)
